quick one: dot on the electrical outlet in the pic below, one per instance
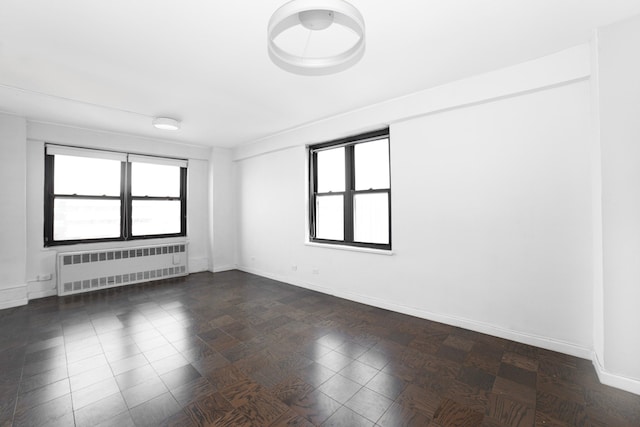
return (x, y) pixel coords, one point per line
(294, 267)
(315, 271)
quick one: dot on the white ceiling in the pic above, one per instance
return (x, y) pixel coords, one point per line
(112, 65)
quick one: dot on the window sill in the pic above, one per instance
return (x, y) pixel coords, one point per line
(118, 244)
(350, 248)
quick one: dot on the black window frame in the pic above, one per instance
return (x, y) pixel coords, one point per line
(350, 192)
(126, 202)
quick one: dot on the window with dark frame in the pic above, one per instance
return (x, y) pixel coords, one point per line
(350, 191)
(100, 196)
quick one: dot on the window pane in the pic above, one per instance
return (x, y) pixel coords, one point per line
(86, 176)
(372, 164)
(155, 180)
(371, 218)
(330, 217)
(330, 170)
(155, 217)
(76, 219)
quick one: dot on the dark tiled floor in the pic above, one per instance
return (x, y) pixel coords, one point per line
(233, 349)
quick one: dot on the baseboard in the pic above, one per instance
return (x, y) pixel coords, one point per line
(43, 294)
(225, 268)
(42, 289)
(627, 384)
(197, 265)
(13, 297)
(485, 328)
(13, 303)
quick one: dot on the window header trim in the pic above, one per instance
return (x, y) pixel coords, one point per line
(136, 158)
(68, 150)
(350, 140)
(63, 150)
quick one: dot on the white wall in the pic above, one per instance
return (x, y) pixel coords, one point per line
(41, 260)
(491, 206)
(568, 65)
(222, 210)
(271, 217)
(492, 214)
(619, 95)
(13, 209)
(198, 214)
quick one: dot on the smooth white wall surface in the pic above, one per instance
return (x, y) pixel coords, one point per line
(493, 204)
(41, 261)
(197, 214)
(491, 208)
(564, 66)
(222, 211)
(271, 217)
(13, 224)
(596, 209)
(619, 90)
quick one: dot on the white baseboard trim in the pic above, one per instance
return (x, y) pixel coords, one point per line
(197, 265)
(42, 294)
(627, 384)
(13, 296)
(224, 268)
(43, 289)
(485, 328)
(13, 303)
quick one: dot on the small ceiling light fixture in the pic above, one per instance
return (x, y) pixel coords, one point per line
(316, 16)
(166, 123)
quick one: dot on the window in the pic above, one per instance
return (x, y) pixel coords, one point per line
(93, 195)
(350, 191)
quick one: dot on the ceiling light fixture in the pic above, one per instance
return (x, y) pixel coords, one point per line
(316, 16)
(166, 123)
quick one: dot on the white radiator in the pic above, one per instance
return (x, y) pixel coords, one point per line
(87, 271)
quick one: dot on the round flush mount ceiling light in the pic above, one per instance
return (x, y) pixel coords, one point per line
(319, 25)
(166, 123)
